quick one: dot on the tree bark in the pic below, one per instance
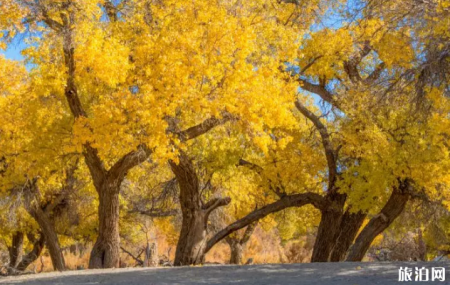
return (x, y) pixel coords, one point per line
(47, 227)
(350, 225)
(151, 255)
(393, 208)
(329, 227)
(105, 253)
(16, 249)
(51, 239)
(192, 242)
(237, 245)
(38, 246)
(236, 251)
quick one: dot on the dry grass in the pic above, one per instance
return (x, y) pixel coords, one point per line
(263, 247)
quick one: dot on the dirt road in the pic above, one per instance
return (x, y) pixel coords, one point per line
(314, 274)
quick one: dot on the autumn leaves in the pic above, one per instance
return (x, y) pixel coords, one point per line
(190, 89)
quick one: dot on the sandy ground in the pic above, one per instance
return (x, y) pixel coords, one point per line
(315, 274)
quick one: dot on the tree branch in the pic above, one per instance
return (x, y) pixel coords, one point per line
(278, 190)
(68, 188)
(351, 66)
(391, 210)
(250, 165)
(95, 165)
(375, 74)
(111, 10)
(38, 246)
(49, 21)
(330, 152)
(248, 233)
(306, 67)
(203, 127)
(296, 200)
(155, 213)
(215, 203)
(319, 90)
(140, 262)
(128, 161)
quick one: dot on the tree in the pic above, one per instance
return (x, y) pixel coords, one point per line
(71, 64)
(369, 73)
(352, 71)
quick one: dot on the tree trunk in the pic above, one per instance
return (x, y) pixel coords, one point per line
(421, 246)
(16, 250)
(105, 253)
(236, 253)
(350, 225)
(33, 207)
(151, 255)
(237, 245)
(393, 208)
(51, 238)
(73, 249)
(38, 246)
(192, 242)
(329, 227)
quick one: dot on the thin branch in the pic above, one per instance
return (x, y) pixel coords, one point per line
(140, 262)
(69, 188)
(155, 213)
(375, 74)
(306, 67)
(278, 190)
(330, 152)
(250, 165)
(351, 66)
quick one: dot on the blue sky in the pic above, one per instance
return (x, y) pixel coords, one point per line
(14, 50)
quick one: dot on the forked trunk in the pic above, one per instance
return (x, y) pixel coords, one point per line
(192, 242)
(328, 228)
(105, 253)
(393, 208)
(350, 225)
